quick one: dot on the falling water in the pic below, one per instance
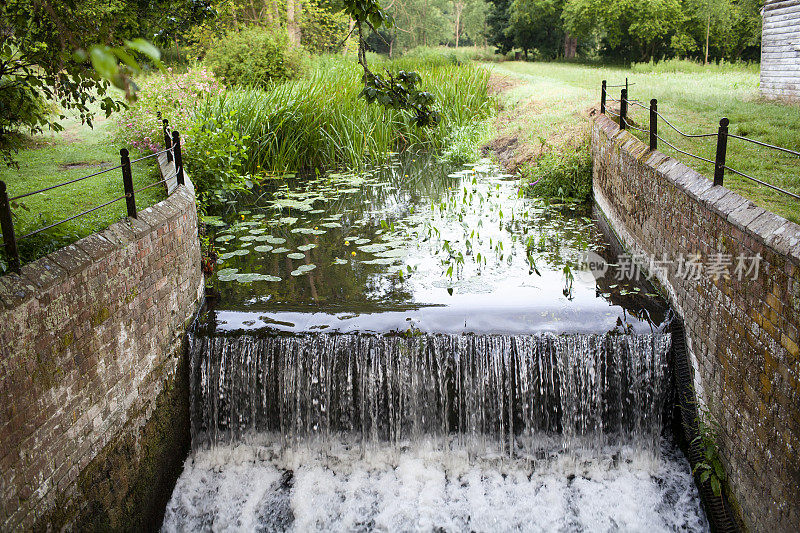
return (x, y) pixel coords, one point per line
(365, 432)
(511, 390)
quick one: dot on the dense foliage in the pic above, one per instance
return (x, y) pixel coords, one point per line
(630, 30)
(561, 174)
(317, 121)
(68, 54)
(255, 57)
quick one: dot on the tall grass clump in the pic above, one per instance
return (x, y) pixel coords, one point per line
(565, 173)
(463, 54)
(321, 122)
(688, 66)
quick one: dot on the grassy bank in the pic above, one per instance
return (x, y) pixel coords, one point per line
(55, 158)
(548, 104)
(320, 121)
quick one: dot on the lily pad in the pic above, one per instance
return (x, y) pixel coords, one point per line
(360, 241)
(280, 250)
(287, 221)
(240, 252)
(213, 221)
(396, 252)
(251, 277)
(373, 248)
(302, 269)
(275, 240)
(295, 256)
(227, 274)
(331, 225)
(248, 238)
(225, 238)
(308, 231)
(339, 261)
(264, 248)
(380, 261)
(292, 204)
(306, 247)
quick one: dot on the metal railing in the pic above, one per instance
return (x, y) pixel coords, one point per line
(172, 151)
(721, 134)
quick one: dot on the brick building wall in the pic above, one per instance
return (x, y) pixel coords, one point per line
(92, 414)
(742, 334)
(780, 49)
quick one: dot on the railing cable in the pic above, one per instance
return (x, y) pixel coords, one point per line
(683, 151)
(771, 186)
(65, 183)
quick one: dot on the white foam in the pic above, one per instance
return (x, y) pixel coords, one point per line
(337, 486)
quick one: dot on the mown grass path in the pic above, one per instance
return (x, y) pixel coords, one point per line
(548, 105)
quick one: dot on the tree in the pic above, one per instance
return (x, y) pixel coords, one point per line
(421, 22)
(536, 25)
(474, 23)
(458, 9)
(632, 29)
(393, 91)
(498, 20)
(63, 56)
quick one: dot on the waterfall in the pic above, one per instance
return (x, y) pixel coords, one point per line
(518, 393)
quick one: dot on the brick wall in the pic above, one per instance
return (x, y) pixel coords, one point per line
(90, 362)
(742, 335)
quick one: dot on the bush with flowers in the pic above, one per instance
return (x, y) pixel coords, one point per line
(173, 95)
(216, 139)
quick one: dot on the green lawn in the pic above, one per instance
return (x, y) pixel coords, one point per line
(556, 97)
(54, 158)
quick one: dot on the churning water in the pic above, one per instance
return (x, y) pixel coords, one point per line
(432, 432)
(426, 354)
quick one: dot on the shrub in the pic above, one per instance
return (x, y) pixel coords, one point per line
(174, 96)
(561, 174)
(255, 57)
(20, 109)
(214, 156)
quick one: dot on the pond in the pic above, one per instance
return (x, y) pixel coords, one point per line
(418, 245)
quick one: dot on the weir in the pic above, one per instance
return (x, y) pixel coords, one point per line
(428, 353)
(595, 390)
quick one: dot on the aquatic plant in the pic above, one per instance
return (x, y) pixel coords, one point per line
(320, 121)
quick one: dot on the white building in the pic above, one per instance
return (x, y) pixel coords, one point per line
(780, 49)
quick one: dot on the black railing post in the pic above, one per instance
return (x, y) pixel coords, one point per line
(603, 98)
(623, 108)
(167, 140)
(176, 143)
(127, 182)
(653, 124)
(722, 148)
(7, 225)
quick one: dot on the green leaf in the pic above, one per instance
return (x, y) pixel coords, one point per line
(716, 486)
(103, 61)
(144, 47)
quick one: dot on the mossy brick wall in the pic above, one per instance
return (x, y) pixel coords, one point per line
(94, 409)
(742, 335)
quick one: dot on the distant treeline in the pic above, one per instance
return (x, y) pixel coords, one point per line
(628, 30)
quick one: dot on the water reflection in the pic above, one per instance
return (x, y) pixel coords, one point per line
(416, 244)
